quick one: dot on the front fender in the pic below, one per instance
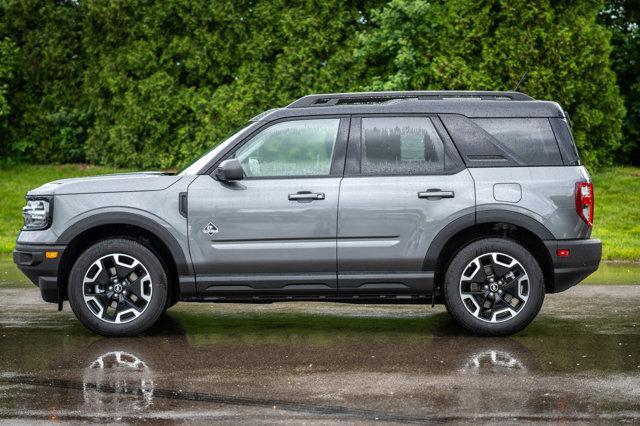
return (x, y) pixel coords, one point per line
(151, 223)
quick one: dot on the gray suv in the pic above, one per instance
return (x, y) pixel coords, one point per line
(477, 200)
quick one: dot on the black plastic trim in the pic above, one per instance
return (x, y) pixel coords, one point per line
(514, 218)
(256, 284)
(331, 99)
(43, 272)
(352, 164)
(584, 259)
(125, 218)
(183, 206)
(365, 282)
(467, 221)
(377, 298)
(443, 237)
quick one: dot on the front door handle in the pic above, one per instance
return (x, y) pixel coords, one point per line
(306, 195)
(435, 194)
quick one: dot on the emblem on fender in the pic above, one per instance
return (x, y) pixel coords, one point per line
(210, 229)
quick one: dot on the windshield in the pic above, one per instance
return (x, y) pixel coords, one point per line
(200, 163)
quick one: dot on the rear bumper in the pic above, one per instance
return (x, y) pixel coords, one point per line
(43, 272)
(583, 260)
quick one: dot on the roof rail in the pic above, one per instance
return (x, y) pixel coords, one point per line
(331, 99)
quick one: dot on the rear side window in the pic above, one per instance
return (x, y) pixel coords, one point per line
(401, 146)
(565, 140)
(496, 142)
(528, 139)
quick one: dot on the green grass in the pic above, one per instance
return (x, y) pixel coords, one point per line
(617, 212)
(16, 181)
(617, 217)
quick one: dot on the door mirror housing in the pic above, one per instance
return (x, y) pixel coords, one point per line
(229, 170)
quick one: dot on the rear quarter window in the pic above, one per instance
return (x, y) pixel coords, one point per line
(565, 140)
(496, 142)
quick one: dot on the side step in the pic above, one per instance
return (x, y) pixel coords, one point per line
(343, 298)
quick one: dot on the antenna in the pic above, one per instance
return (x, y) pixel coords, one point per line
(520, 81)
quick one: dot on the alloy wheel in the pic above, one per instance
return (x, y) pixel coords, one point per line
(494, 287)
(117, 288)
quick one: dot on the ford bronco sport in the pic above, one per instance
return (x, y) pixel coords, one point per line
(474, 199)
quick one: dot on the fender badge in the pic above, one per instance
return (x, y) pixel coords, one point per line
(210, 229)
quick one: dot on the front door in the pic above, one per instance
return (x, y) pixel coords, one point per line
(273, 232)
(404, 182)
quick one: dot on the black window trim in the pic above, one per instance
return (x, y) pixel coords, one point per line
(339, 149)
(353, 164)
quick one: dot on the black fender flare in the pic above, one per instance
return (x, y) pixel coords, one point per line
(126, 218)
(478, 218)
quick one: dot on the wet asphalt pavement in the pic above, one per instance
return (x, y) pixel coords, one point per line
(318, 363)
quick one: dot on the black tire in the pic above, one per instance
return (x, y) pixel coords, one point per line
(153, 308)
(454, 300)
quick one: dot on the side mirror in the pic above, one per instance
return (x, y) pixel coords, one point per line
(229, 170)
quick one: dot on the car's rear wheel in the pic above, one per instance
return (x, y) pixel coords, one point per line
(494, 287)
(118, 287)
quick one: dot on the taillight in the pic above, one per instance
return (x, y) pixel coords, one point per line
(584, 201)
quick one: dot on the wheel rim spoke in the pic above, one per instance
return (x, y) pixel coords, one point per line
(117, 288)
(109, 266)
(494, 287)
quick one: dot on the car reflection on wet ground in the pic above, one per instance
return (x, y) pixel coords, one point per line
(578, 361)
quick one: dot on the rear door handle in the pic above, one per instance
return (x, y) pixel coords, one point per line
(306, 195)
(435, 194)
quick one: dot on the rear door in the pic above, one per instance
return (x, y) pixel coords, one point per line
(403, 183)
(275, 230)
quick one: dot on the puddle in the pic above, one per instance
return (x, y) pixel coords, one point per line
(616, 273)
(579, 361)
(10, 275)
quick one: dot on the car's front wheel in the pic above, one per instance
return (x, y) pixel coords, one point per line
(494, 287)
(118, 287)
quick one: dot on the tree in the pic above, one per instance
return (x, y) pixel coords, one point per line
(147, 84)
(622, 17)
(8, 53)
(49, 119)
(489, 44)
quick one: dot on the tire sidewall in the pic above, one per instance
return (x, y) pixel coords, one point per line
(453, 301)
(151, 263)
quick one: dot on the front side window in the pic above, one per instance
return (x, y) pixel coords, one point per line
(401, 145)
(291, 148)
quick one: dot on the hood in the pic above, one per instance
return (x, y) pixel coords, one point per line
(120, 182)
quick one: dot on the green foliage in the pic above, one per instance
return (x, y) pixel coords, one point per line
(146, 84)
(186, 73)
(622, 17)
(7, 63)
(8, 53)
(49, 119)
(490, 44)
(617, 217)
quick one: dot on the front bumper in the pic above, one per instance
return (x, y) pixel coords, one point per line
(43, 272)
(583, 260)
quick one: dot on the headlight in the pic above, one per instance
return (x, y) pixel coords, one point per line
(37, 213)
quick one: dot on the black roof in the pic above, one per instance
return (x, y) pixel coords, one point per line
(475, 104)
